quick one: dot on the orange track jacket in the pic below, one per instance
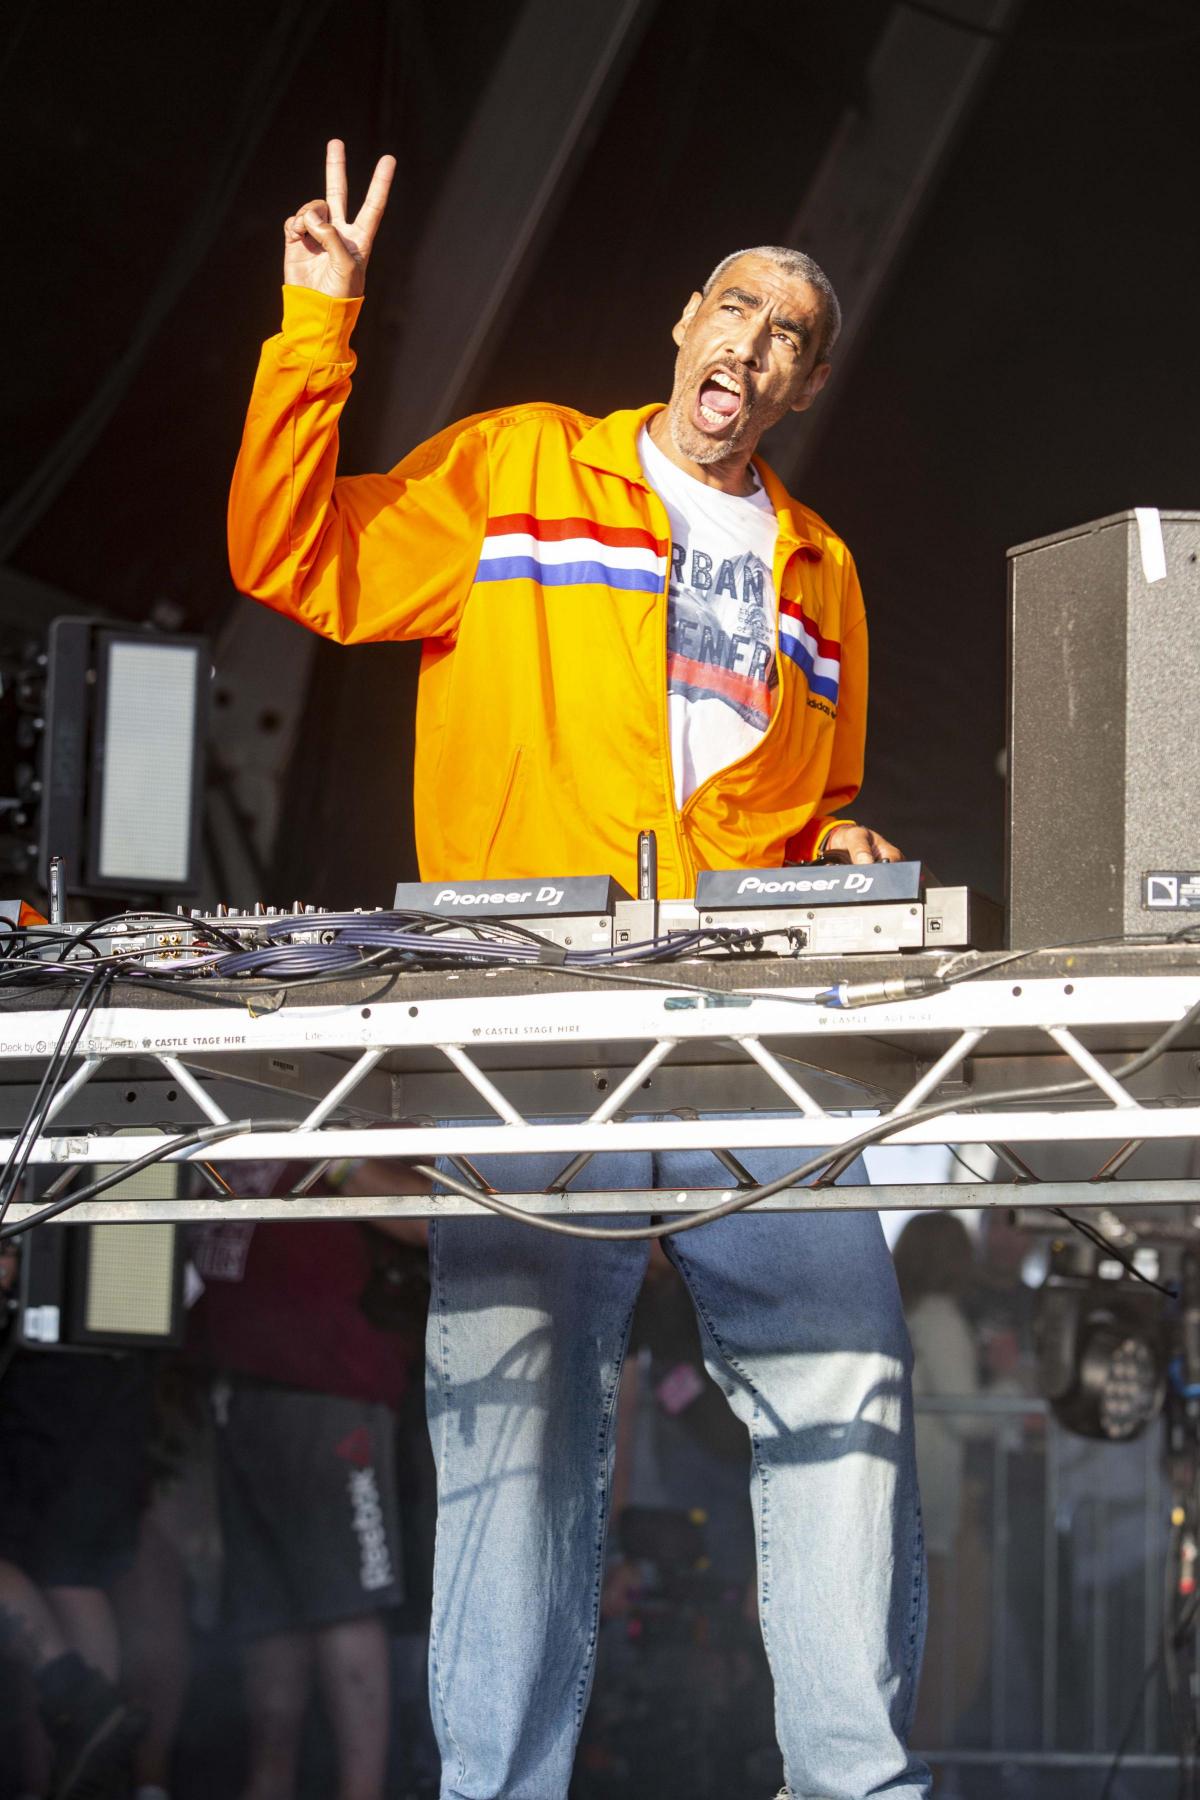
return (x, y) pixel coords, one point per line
(528, 551)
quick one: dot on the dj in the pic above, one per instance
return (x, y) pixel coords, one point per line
(627, 624)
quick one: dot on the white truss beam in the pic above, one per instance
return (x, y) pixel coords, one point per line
(1001, 1024)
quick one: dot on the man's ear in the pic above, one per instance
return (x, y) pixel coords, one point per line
(814, 382)
(679, 329)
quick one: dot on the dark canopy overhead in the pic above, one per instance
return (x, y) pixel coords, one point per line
(1030, 362)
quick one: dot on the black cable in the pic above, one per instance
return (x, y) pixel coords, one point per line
(419, 928)
(718, 996)
(976, 1174)
(1085, 1228)
(334, 944)
(877, 1133)
(1130, 939)
(874, 1134)
(1182, 1692)
(52, 1077)
(1113, 1250)
(206, 1134)
(146, 918)
(1182, 1626)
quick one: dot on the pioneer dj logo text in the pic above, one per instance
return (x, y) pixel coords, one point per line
(853, 883)
(543, 896)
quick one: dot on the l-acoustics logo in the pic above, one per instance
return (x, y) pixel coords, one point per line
(855, 882)
(1176, 890)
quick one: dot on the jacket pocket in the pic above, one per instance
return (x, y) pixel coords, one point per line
(488, 839)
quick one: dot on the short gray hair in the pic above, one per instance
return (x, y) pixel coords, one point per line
(793, 262)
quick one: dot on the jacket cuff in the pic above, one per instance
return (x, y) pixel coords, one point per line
(809, 841)
(317, 327)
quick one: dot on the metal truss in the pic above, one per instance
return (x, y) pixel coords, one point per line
(578, 1072)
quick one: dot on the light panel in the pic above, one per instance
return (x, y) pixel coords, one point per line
(148, 758)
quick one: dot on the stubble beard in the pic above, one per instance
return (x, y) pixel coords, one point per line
(697, 446)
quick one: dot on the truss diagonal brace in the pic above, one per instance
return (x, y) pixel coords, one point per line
(1094, 1070)
(1109, 1170)
(611, 1104)
(194, 1089)
(933, 1077)
(69, 1089)
(787, 1084)
(486, 1089)
(340, 1089)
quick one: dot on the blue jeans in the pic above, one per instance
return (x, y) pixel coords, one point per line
(803, 1332)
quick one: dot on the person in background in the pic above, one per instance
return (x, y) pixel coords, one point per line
(935, 1265)
(72, 1484)
(169, 1588)
(312, 1341)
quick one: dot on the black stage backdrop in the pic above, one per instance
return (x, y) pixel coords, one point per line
(1032, 365)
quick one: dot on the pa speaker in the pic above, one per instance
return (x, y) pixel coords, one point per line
(1104, 733)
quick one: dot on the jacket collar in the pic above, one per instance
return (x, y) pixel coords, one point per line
(610, 445)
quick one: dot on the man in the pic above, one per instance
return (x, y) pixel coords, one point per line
(90, 1726)
(306, 1389)
(628, 624)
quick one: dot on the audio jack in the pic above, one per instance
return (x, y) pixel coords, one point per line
(877, 993)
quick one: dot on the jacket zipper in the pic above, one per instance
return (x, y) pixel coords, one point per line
(664, 733)
(754, 750)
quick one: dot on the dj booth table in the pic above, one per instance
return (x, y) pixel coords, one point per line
(457, 1064)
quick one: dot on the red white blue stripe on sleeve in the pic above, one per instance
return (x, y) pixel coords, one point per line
(571, 553)
(820, 658)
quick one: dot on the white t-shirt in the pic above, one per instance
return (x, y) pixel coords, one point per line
(721, 674)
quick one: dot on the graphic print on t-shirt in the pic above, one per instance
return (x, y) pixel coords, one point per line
(721, 672)
(720, 633)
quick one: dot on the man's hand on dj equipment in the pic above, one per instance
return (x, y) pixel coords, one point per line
(858, 844)
(322, 249)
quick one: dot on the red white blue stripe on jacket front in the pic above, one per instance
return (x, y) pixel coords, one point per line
(819, 657)
(584, 553)
(571, 553)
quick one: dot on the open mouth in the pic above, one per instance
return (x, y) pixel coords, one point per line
(719, 401)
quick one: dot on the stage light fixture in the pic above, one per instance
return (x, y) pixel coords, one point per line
(1121, 1381)
(149, 698)
(123, 756)
(107, 1285)
(1102, 1352)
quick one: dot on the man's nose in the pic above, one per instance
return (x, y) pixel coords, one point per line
(745, 342)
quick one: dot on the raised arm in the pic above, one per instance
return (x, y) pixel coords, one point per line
(364, 557)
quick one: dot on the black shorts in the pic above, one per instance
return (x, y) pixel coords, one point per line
(74, 1429)
(307, 1491)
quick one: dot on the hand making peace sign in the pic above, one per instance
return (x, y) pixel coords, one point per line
(322, 249)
